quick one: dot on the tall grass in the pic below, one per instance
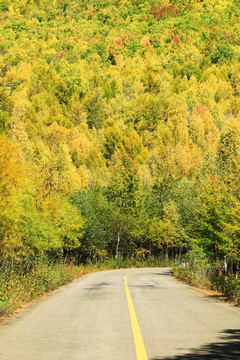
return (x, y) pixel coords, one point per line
(20, 285)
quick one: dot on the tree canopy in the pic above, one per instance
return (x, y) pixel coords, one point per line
(119, 128)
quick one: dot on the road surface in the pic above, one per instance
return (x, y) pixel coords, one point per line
(111, 316)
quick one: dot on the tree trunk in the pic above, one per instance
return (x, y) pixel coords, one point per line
(167, 252)
(180, 254)
(118, 241)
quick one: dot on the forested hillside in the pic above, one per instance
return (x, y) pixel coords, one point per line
(120, 129)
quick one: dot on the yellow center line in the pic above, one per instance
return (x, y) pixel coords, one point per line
(139, 344)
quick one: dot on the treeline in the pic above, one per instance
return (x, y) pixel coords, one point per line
(120, 132)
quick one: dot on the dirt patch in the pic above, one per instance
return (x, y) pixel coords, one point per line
(214, 294)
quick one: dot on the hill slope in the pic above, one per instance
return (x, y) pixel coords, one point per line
(119, 128)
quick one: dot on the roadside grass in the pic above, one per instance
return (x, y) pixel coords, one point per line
(199, 271)
(23, 283)
(20, 286)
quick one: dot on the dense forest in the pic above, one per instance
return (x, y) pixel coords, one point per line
(120, 129)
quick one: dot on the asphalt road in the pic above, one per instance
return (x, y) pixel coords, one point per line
(90, 320)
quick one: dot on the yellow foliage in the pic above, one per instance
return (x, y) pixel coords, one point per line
(12, 177)
(12, 170)
(203, 130)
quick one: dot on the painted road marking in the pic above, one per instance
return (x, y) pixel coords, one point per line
(139, 344)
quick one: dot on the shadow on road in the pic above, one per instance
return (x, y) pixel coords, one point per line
(97, 286)
(227, 348)
(163, 273)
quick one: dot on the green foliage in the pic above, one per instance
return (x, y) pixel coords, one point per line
(222, 51)
(95, 210)
(3, 121)
(211, 218)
